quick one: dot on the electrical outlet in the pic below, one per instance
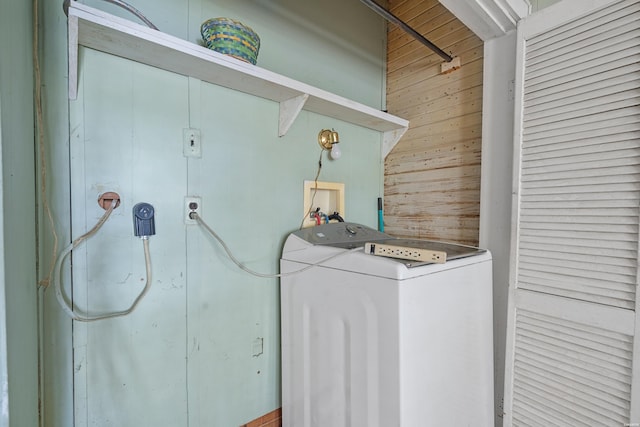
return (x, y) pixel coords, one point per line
(192, 204)
(401, 252)
(192, 146)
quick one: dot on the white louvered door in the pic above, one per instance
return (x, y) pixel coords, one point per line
(571, 341)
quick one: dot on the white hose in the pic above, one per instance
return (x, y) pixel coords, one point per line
(194, 215)
(62, 300)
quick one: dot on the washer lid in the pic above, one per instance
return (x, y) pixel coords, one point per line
(346, 235)
(333, 246)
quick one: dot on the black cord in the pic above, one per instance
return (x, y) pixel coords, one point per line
(315, 189)
(336, 216)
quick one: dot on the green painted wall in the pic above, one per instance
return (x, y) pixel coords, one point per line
(331, 44)
(18, 325)
(202, 349)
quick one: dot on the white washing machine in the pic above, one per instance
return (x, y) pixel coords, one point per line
(371, 341)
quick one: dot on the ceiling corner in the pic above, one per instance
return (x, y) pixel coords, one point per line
(489, 19)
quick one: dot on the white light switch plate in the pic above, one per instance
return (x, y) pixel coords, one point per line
(192, 144)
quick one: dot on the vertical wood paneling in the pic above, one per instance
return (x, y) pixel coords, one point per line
(432, 177)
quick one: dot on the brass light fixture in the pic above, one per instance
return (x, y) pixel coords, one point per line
(328, 140)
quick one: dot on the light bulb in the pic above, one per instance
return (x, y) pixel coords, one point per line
(335, 151)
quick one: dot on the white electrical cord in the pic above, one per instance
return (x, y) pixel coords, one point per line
(122, 4)
(194, 215)
(62, 300)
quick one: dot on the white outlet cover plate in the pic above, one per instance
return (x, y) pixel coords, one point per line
(192, 143)
(187, 209)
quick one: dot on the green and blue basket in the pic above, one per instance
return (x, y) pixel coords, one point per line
(232, 38)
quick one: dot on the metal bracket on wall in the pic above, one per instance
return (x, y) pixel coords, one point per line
(392, 18)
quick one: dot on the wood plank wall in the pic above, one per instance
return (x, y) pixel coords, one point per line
(432, 176)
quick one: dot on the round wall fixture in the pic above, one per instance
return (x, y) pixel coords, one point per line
(106, 199)
(328, 140)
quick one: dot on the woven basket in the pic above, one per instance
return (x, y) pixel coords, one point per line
(232, 38)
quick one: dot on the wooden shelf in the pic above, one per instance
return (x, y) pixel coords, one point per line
(101, 31)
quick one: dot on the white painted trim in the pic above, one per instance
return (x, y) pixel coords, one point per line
(72, 25)
(495, 193)
(489, 19)
(634, 411)
(515, 191)
(4, 379)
